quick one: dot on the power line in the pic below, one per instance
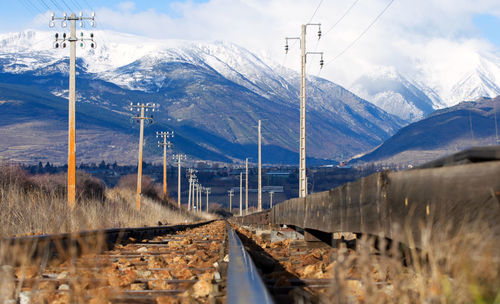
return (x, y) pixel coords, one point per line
(317, 8)
(77, 4)
(28, 7)
(341, 18)
(45, 4)
(67, 6)
(57, 5)
(362, 33)
(88, 4)
(35, 7)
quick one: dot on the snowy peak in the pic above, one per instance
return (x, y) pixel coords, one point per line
(404, 96)
(483, 81)
(396, 94)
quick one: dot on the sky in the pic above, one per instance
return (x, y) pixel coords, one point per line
(359, 36)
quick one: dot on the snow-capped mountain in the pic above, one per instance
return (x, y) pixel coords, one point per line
(413, 96)
(396, 94)
(210, 92)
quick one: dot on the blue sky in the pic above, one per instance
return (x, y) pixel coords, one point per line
(18, 15)
(411, 35)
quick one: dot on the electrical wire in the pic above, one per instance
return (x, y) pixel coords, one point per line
(57, 5)
(314, 14)
(28, 7)
(341, 18)
(361, 35)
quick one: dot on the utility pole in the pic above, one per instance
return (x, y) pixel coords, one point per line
(71, 191)
(231, 194)
(304, 53)
(259, 195)
(179, 169)
(200, 192)
(166, 144)
(207, 191)
(246, 185)
(197, 187)
(241, 193)
(142, 107)
(192, 178)
(271, 199)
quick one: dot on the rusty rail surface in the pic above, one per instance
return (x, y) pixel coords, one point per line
(396, 204)
(52, 245)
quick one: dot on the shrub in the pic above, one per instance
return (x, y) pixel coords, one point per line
(147, 185)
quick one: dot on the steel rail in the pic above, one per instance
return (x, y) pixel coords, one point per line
(445, 194)
(244, 283)
(53, 245)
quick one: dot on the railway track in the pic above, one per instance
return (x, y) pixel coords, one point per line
(200, 263)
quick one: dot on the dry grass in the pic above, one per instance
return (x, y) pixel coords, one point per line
(35, 205)
(463, 267)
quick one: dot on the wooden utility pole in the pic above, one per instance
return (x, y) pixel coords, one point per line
(303, 57)
(142, 107)
(61, 43)
(165, 144)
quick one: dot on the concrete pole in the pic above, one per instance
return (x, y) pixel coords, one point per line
(230, 200)
(139, 165)
(71, 115)
(302, 165)
(259, 195)
(189, 192)
(241, 193)
(179, 181)
(246, 186)
(199, 199)
(208, 190)
(165, 167)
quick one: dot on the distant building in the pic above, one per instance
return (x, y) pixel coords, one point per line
(279, 174)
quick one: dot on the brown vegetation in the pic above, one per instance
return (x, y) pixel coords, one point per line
(37, 204)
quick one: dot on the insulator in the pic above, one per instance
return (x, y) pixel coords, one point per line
(286, 48)
(65, 15)
(319, 34)
(52, 24)
(56, 45)
(64, 35)
(81, 23)
(64, 45)
(93, 45)
(52, 16)
(92, 23)
(321, 63)
(81, 34)
(93, 15)
(64, 23)
(91, 35)
(57, 36)
(81, 14)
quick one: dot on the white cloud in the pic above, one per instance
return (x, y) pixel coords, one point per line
(411, 35)
(126, 6)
